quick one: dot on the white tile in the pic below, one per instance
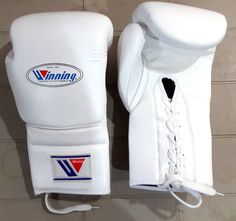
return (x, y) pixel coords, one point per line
(9, 10)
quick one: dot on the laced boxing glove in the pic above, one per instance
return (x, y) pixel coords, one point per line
(165, 59)
(57, 74)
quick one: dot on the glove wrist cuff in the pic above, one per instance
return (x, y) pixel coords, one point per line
(68, 167)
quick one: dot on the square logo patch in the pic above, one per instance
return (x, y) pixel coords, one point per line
(71, 167)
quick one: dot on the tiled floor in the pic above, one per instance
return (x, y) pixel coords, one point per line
(17, 201)
(123, 203)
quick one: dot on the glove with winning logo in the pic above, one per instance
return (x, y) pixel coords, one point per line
(58, 81)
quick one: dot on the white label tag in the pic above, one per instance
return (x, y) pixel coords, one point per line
(71, 167)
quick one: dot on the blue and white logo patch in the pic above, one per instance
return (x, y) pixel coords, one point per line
(54, 75)
(71, 167)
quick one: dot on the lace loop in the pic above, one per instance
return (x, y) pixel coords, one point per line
(195, 194)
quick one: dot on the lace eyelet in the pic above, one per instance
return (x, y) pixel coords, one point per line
(174, 151)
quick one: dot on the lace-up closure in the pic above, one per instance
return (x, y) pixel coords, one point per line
(174, 152)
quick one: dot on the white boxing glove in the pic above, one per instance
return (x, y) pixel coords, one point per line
(165, 59)
(57, 74)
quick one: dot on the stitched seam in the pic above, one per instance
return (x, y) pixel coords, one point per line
(144, 90)
(191, 131)
(160, 178)
(132, 71)
(137, 89)
(96, 124)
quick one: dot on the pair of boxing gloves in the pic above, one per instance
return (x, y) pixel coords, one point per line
(57, 71)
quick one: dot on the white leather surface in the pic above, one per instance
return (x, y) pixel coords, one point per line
(57, 74)
(80, 39)
(182, 26)
(42, 144)
(168, 41)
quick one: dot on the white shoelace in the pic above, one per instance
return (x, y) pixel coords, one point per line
(76, 208)
(175, 156)
(174, 152)
(195, 194)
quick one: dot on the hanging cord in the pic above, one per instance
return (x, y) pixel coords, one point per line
(76, 208)
(195, 194)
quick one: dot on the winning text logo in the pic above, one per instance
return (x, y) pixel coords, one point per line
(54, 75)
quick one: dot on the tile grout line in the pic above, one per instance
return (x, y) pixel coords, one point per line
(121, 138)
(5, 85)
(223, 82)
(141, 196)
(84, 216)
(4, 32)
(232, 82)
(224, 136)
(13, 140)
(178, 211)
(83, 5)
(149, 196)
(231, 28)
